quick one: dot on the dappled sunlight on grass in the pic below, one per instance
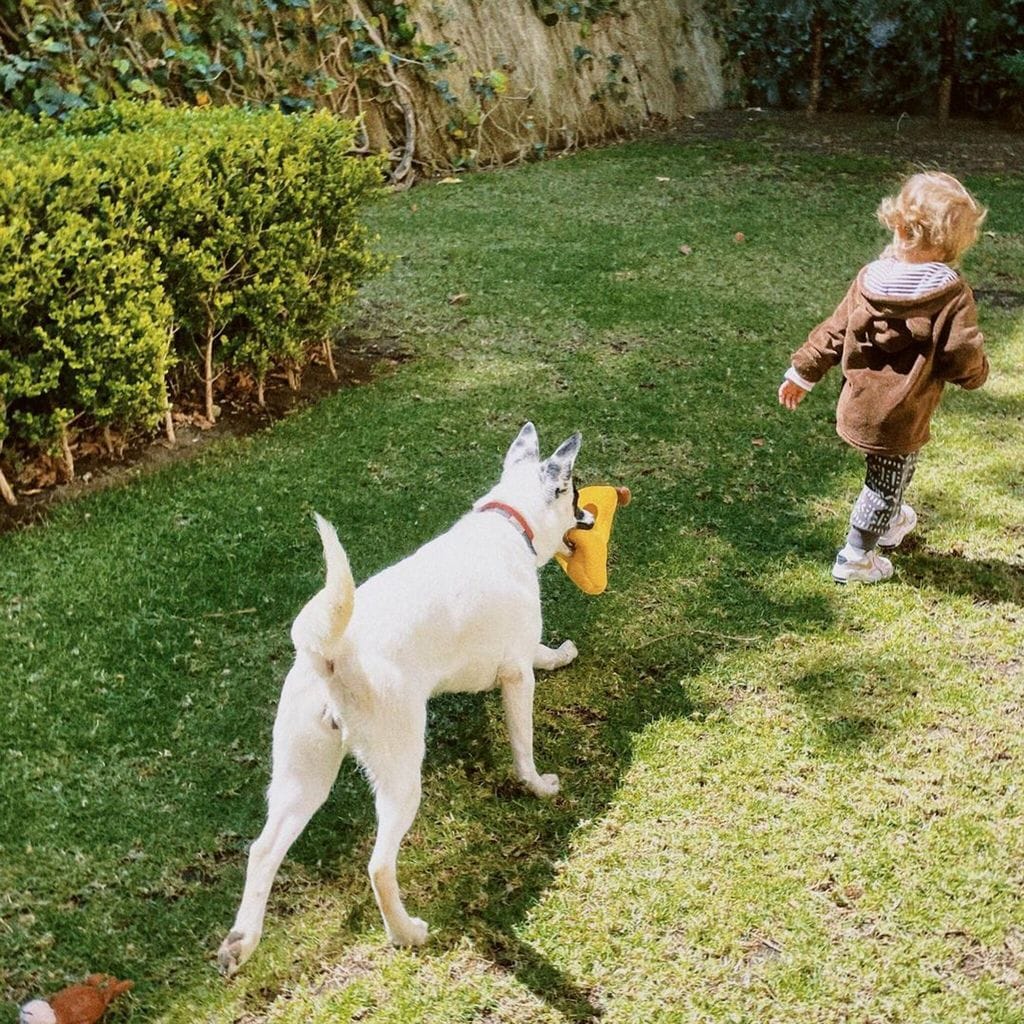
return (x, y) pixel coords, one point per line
(803, 832)
(782, 800)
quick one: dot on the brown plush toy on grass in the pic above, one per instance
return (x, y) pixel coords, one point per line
(76, 1004)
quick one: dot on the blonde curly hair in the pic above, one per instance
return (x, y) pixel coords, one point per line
(934, 214)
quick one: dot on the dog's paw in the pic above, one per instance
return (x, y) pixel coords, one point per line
(413, 933)
(544, 785)
(234, 951)
(567, 652)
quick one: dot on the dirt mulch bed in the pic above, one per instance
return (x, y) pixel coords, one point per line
(41, 484)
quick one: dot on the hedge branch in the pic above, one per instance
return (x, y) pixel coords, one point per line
(208, 374)
(172, 438)
(68, 457)
(330, 358)
(6, 491)
(211, 413)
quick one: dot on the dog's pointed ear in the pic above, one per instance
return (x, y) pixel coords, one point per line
(558, 468)
(525, 446)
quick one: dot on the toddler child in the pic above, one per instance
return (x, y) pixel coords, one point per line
(905, 329)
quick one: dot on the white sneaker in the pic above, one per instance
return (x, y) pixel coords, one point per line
(903, 522)
(853, 566)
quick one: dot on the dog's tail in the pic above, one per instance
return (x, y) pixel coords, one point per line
(319, 627)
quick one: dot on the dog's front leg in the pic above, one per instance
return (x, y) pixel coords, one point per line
(517, 686)
(550, 658)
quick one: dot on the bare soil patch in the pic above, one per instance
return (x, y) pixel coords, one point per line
(41, 484)
(962, 146)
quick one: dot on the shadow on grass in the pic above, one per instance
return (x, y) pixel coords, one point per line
(490, 885)
(986, 579)
(714, 524)
(854, 699)
(541, 977)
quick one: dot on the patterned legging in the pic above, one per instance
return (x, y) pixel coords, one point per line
(885, 481)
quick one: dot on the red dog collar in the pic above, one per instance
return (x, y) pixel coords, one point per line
(515, 516)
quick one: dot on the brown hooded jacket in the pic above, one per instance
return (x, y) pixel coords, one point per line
(896, 355)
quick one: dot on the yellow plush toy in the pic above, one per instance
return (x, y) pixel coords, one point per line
(587, 566)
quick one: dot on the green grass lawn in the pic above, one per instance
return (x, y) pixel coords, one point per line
(782, 801)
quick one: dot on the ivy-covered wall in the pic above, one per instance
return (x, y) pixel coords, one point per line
(532, 78)
(439, 83)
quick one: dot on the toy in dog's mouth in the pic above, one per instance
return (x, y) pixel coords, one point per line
(587, 558)
(585, 517)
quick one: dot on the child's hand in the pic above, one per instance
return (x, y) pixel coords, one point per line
(791, 395)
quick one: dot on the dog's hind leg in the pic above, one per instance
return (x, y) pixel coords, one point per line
(393, 761)
(308, 749)
(517, 686)
(550, 658)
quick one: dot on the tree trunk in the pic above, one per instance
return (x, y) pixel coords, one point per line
(947, 61)
(817, 62)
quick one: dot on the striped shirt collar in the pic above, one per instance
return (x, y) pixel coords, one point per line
(895, 279)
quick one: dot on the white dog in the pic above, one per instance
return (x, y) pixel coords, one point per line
(460, 614)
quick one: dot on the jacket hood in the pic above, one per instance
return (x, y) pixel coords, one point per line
(893, 324)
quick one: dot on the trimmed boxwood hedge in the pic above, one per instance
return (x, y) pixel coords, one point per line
(136, 237)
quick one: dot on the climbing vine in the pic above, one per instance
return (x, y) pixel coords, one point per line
(346, 56)
(57, 56)
(585, 12)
